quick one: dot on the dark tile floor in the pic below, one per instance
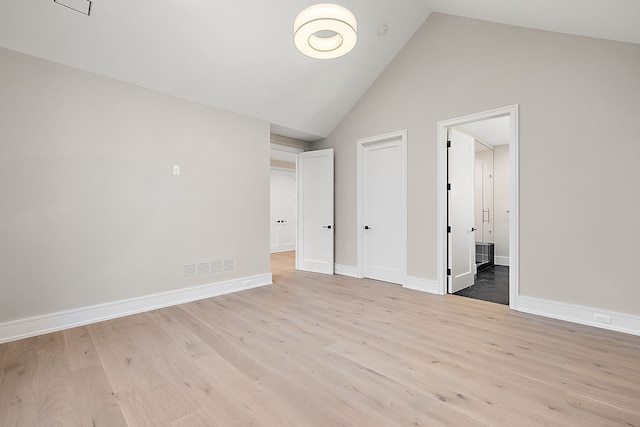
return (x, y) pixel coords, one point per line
(491, 285)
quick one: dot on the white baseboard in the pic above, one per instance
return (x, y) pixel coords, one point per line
(423, 285)
(501, 260)
(346, 270)
(25, 328)
(620, 322)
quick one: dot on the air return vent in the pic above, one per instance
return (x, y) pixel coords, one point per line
(216, 266)
(82, 6)
(189, 270)
(203, 268)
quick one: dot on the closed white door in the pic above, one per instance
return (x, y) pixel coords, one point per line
(315, 212)
(383, 214)
(461, 211)
(283, 212)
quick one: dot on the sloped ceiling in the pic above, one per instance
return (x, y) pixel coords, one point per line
(239, 55)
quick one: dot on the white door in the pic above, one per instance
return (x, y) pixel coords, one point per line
(283, 212)
(384, 210)
(461, 211)
(315, 211)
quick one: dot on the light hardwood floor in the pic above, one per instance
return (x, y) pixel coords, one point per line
(316, 350)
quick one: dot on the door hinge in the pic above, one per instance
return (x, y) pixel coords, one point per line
(448, 272)
(448, 229)
(448, 144)
(448, 187)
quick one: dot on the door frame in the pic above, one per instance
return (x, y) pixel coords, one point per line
(286, 149)
(273, 146)
(401, 136)
(514, 217)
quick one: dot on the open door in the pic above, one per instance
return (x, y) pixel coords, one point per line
(461, 246)
(315, 212)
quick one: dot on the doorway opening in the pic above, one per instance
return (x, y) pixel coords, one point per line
(478, 206)
(283, 198)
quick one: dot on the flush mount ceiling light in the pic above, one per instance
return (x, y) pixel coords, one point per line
(325, 31)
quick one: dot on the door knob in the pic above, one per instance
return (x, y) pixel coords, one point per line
(327, 226)
(473, 229)
(366, 227)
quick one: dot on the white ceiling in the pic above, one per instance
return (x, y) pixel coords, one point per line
(491, 131)
(238, 55)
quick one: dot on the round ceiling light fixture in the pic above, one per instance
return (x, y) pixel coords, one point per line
(325, 31)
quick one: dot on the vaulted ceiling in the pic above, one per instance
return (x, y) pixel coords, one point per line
(238, 55)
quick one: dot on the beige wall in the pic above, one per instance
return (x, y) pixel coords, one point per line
(486, 156)
(90, 212)
(579, 102)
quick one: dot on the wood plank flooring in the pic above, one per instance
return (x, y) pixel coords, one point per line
(315, 350)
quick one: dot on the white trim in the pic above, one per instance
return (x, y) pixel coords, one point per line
(514, 224)
(423, 285)
(501, 260)
(29, 327)
(361, 143)
(281, 169)
(346, 270)
(620, 322)
(288, 149)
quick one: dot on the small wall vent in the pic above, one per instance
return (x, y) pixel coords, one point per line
(203, 268)
(189, 270)
(216, 266)
(228, 264)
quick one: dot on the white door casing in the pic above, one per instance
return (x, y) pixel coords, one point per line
(315, 251)
(283, 209)
(382, 207)
(461, 245)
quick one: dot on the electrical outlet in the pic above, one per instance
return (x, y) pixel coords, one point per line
(176, 170)
(602, 318)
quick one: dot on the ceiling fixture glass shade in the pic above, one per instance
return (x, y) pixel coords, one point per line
(325, 31)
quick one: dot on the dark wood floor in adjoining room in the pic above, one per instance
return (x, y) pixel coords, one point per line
(315, 350)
